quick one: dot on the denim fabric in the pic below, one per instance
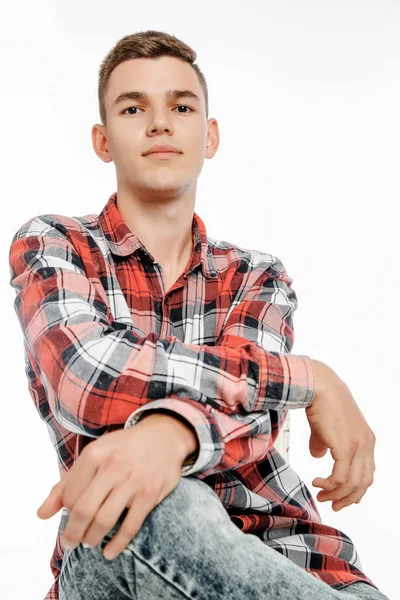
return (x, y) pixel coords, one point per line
(189, 548)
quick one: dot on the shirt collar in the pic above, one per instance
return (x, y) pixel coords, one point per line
(123, 242)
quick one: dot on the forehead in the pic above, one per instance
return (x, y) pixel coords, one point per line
(152, 75)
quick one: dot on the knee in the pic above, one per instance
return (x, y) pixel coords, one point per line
(186, 520)
(190, 505)
(177, 536)
(192, 500)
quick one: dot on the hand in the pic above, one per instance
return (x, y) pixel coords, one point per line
(337, 423)
(135, 467)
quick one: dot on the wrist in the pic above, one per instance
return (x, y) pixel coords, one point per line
(324, 376)
(184, 431)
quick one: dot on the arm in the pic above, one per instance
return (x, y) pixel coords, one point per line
(98, 374)
(265, 316)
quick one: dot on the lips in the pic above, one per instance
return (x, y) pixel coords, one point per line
(162, 148)
(162, 152)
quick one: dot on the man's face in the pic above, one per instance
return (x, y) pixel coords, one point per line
(136, 125)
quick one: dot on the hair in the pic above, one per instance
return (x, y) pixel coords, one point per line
(145, 44)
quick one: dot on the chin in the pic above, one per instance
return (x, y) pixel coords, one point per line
(161, 189)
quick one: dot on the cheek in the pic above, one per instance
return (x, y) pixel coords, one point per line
(125, 137)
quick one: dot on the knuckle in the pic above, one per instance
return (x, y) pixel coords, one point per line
(337, 480)
(103, 521)
(80, 513)
(91, 451)
(352, 445)
(126, 533)
(147, 490)
(354, 485)
(118, 456)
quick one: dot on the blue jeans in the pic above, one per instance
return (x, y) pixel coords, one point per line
(188, 547)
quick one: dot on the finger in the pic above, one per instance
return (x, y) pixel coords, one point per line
(357, 488)
(53, 503)
(87, 505)
(342, 457)
(141, 506)
(354, 486)
(360, 498)
(368, 474)
(350, 499)
(108, 514)
(80, 476)
(324, 483)
(339, 492)
(355, 498)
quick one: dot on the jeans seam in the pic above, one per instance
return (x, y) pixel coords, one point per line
(173, 585)
(64, 564)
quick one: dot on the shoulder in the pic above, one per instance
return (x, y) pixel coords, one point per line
(56, 225)
(246, 260)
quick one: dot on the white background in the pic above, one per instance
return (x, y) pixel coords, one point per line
(307, 97)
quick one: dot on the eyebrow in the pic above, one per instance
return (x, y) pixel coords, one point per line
(169, 94)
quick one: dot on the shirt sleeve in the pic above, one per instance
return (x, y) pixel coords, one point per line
(99, 375)
(264, 317)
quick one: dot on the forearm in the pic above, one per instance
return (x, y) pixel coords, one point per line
(325, 376)
(259, 443)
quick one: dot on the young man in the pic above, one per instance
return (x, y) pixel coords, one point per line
(155, 353)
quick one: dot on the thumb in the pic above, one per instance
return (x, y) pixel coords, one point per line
(317, 447)
(53, 503)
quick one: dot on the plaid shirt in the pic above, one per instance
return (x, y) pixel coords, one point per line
(104, 343)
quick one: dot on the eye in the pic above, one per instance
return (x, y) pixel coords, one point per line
(129, 107)
(184, 106)
(136, 107)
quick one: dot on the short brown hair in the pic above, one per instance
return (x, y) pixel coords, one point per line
(145, 44)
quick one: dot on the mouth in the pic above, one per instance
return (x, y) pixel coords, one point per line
(167, 154)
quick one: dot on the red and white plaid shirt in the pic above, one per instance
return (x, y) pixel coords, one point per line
(104, 343)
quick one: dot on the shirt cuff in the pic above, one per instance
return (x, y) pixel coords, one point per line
(310, 378)
(290, 383)
(211, 446)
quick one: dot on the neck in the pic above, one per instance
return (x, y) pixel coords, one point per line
(164, 228)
